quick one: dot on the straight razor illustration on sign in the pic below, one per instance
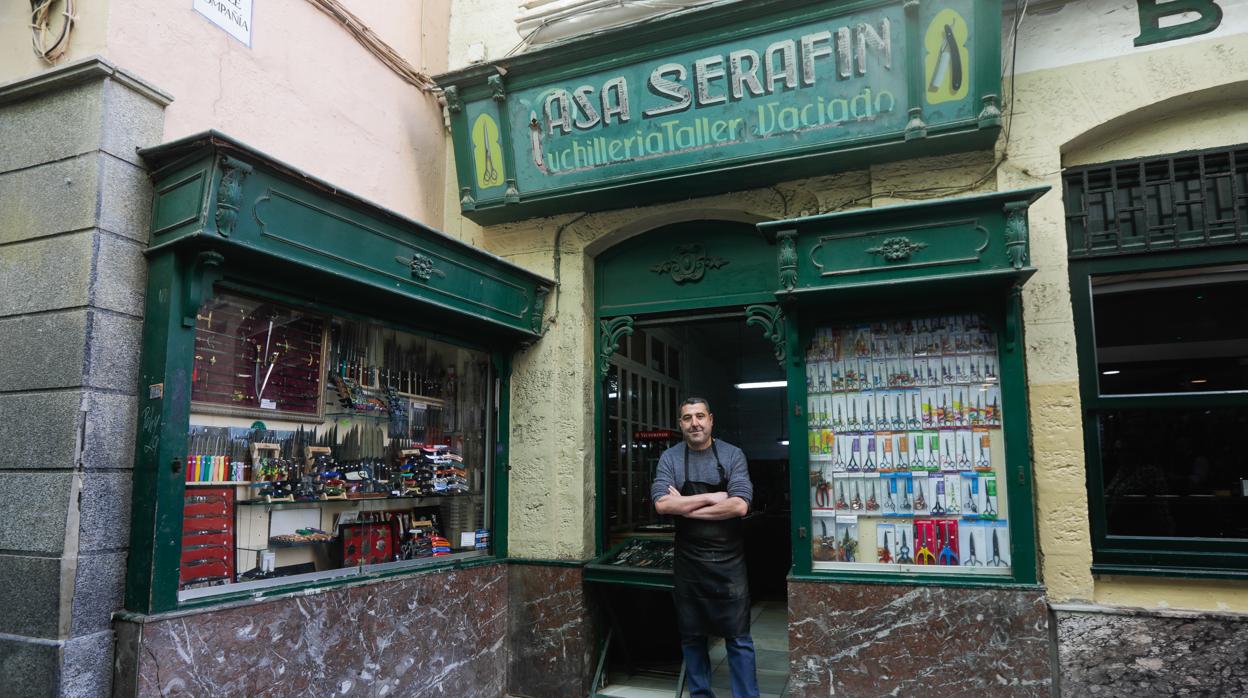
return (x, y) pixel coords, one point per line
(950, 61)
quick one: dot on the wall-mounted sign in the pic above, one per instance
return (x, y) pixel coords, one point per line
(1182, 18)
(780, 88)
(234, 16)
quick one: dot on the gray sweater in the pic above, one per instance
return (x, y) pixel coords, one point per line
(702, 469)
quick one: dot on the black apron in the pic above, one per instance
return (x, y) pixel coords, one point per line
(711, 589)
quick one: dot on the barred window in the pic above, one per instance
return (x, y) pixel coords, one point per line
(1171, 202)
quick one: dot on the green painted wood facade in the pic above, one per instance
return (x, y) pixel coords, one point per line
(1155, 556)
(968, 254)
(226, 214)
(721, 99)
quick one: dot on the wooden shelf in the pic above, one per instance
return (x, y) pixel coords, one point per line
(240, 483)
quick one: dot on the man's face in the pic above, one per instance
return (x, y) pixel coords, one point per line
(695, 423)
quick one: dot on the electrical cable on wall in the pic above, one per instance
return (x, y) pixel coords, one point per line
(369, 40)
(50, 45)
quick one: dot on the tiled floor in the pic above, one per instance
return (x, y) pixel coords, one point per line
(769, 628)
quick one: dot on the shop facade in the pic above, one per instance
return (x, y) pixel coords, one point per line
(657, 246)
(307, 443)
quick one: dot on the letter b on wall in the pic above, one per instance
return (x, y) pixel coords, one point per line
(1153, 11)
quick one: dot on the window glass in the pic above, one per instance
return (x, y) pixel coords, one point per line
(1171, 332)
(1175, 472)
(907, 457)
(323, 446)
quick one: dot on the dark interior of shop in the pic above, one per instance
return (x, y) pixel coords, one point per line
(667, 359)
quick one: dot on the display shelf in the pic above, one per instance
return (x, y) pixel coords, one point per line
(323, 502)
(220, 482)
(298, 544)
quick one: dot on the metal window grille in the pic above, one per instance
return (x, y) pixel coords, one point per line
(1186, 200)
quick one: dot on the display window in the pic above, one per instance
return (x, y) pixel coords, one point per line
(906, 447)
(323, 446)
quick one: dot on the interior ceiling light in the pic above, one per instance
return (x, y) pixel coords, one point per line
(1114, 372)
(763, 384)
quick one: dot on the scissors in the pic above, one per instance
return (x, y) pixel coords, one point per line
(823, 494)
(947, 556)
(971, 560)
(903, 552)
(995, 560)
(938, 507)
(885, 554)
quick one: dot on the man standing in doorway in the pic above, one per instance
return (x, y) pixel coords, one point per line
(705, 484)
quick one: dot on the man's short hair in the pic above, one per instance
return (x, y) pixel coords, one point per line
(692, 400)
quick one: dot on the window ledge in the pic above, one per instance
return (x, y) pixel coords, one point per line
(1099, 570)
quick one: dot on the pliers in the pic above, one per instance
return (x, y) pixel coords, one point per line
(823, 495)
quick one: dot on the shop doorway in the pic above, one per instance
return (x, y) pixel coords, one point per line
(719, 357)
(692, 328)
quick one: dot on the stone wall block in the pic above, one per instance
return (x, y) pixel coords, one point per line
(443, 633)
(104, 523)
(110, 429)
(33, 508)
(130, 121)
(47, 199)
(87, 666)
(30, 668)
(114, 352)
(46, 274)
(30, 587)
(76, 113)
(125, 198)
(887, 640)
(37, 430)
(42, 351)
(550, 632)
(120, 275)
(1145, 655)
(99, 588)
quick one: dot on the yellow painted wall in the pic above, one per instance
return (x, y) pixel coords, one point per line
(1138, 104)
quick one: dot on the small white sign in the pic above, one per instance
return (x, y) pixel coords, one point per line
(234, 16)
(467, 539)
(267, 404)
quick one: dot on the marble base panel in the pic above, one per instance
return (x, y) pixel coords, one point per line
(551, 632)
(438, 634)
(883, 640)
(1143, 655)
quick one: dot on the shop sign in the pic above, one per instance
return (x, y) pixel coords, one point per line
(656, 435)
(234, 16)
(881, 74)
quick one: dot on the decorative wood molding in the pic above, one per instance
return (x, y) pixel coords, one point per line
(610, 332)
(1016, 234)
(230, 193)
(206, 269)
(539, 308)
(897, 249)
(771, 319)
(688, 264)
(786, 259)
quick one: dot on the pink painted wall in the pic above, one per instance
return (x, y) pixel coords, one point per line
(304, 92)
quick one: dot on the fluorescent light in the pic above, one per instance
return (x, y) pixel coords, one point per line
(764, 384)
(784, 442)
(612, 396)
(1111, 373)
(1200, 380)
